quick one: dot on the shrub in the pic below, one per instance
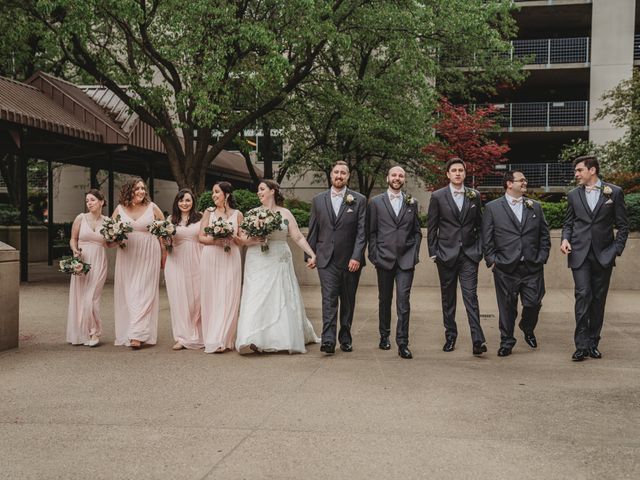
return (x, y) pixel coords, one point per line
(295, 204)
(301, 216)
(629, 182)
(554, 213)
(245, 199)
(632, 202)
(10, 215)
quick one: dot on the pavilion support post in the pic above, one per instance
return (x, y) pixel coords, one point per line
(50, 225)
(151, 179)
(24, 212)
(93, 174)
(112, 200)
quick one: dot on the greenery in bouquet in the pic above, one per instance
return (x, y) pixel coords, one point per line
(260, 222)
(220, 229)
(73, 266)
(164, 230)
(115, 230)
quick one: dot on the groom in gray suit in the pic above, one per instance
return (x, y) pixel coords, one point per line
(454, 221)
(516, 244)
(394, 235)
(593, 210)
(337, 235)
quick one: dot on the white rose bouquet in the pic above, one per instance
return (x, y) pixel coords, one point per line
(260, 222)
(164, 230)
(115, 230)
(73, 266)
(221, 229)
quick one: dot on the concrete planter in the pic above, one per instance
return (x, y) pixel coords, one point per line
(9, 296)
(38, 240)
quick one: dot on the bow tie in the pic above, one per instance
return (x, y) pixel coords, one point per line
(515, 201)
(589, 189)
(337, 194)
(458, 192)
(393, 196)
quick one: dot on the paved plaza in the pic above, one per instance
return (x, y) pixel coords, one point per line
(109, 412)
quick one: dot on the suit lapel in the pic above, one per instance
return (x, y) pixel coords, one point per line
(526, 213)
(452, 204)
(585, 204)
(601, 200)
(343, 206)
(327, 201)
(466, 205)
(387, 203)
(510, 213)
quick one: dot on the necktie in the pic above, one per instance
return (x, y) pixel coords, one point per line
(458, 192)
(336, 194)
(516, 201)
(590, 189)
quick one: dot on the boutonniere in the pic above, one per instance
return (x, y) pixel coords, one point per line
(607, 191)
(349, 199)
(408, 199)
(528, 203)
(470, 194)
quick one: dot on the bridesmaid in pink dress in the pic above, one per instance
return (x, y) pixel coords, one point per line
(84, 325)
(136, 282)
(221, 274)
(182, 273)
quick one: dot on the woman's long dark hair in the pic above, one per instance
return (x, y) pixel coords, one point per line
(194, 214)
(227, 189)
(277, 196)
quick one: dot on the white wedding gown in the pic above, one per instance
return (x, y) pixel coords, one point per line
(272, 316)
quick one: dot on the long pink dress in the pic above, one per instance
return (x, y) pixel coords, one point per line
(221, 279)
(136, 282)
(83, 319)
(182, 276)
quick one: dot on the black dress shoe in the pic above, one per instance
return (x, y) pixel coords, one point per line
(531, 340)
(479, 348)
(346, 347)
(595, 353)
(404, 351)
(385, 344)
(504, 352)
(449, 345)
(328, 348)
(579, 355)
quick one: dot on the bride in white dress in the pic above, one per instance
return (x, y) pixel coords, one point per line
(272, 316)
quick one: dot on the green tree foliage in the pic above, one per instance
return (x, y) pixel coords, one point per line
(199, 72)
(371, 99)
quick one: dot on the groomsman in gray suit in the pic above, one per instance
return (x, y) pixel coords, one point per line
(593, 210)
(454, 221)
(516, 246)
(394, 235)
(337, 235)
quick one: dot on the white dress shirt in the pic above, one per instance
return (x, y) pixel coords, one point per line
(458, 196)
(594, 195)
(396, 201)
(337, 197)
(516, 205)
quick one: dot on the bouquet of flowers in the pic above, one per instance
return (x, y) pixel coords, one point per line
(115, 230)
(73, 266)
(220, 229)
(260, 222)
(164, 230)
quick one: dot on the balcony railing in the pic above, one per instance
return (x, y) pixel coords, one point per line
(544, 115)
(546, 176)
(550, 51)
(636, 47)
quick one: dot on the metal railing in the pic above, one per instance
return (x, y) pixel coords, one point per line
(539, 175)
(636, 47)
(550, 51)
(545, 115)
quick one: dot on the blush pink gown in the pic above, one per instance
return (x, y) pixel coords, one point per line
(136, 282)
(182, 276)
(221, 278)
(83, 319)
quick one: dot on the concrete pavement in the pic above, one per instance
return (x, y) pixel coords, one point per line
(109, 412)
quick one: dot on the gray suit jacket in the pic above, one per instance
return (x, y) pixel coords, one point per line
(585, 229)
(338, 238)
(393, 239)
(506, 240)
(450, 230)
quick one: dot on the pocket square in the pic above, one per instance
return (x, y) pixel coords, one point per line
(608, 202)
(349, 210)
(473, 205)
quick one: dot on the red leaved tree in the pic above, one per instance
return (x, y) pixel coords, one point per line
(466, 135)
